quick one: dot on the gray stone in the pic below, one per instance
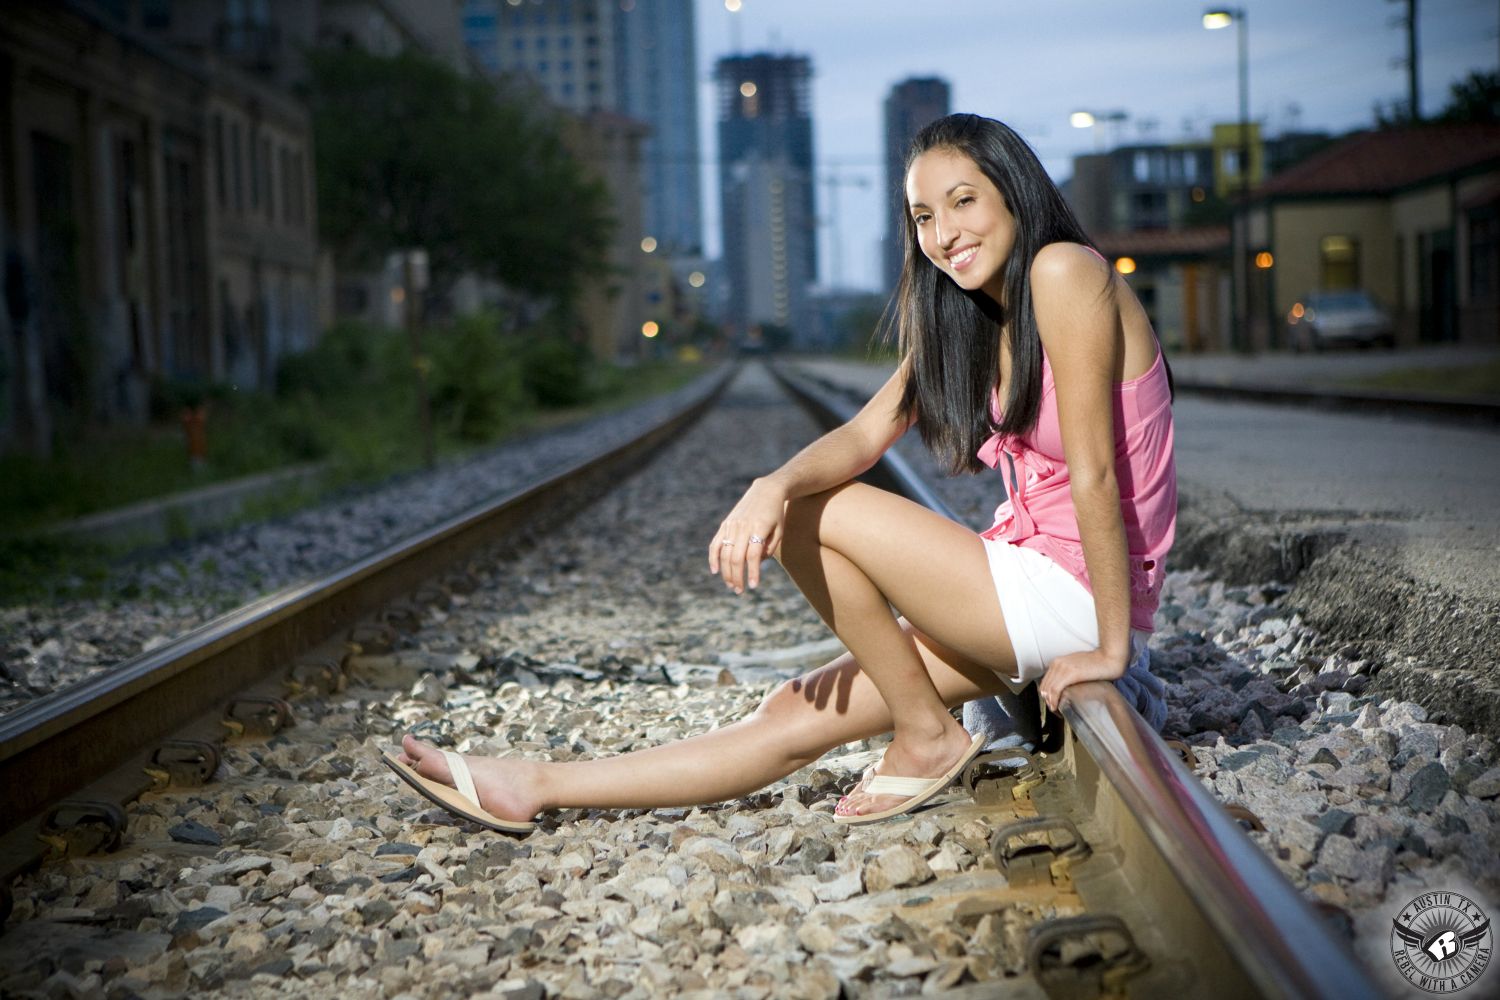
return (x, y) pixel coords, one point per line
(1428, 786)
(1486, 785)
(846, 886)
(189, 832)
(1336, 821)
(1339, 856)
(1325, 756)
(895, 868)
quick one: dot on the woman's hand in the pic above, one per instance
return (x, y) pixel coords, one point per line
(1091, 665)
(748, 536)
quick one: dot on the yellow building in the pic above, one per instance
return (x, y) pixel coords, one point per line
(1411, 216)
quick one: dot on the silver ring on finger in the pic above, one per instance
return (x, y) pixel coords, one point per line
(757, 540)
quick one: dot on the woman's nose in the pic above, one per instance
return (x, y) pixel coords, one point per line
(947, 233)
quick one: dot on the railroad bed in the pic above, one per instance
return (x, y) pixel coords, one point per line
(305, 868)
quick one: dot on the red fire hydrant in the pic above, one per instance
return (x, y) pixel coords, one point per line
(194, 425)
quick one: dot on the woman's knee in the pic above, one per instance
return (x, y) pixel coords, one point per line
(807, 519)
(790, 715)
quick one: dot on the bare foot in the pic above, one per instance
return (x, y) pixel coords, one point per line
(507, 787)
(929, 759)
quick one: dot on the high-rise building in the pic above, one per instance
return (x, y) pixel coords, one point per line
(909, 106)
(566, 47)
(766, 189)
(655, 63)
(627, 70)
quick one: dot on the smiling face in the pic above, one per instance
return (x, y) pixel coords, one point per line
(963, 225)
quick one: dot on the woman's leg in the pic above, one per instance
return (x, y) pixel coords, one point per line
(797, 723)
(854, 551)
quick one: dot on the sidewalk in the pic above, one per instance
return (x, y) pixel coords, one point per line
(1316, 371)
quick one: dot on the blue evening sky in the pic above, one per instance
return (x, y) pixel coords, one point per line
(1314, 64)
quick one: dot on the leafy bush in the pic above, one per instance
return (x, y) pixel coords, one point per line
(555, 371)
(475, 380)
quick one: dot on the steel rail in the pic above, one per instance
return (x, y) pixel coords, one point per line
(60, 743)
(1279, 944)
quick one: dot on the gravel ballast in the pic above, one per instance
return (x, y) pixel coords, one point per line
(328, 877)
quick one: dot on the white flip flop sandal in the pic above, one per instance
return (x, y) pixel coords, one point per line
(461, 798)
(917, 790)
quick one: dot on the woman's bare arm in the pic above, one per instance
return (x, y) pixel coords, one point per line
(1081, 331)
(831, 460)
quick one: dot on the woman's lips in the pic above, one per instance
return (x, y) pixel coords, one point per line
(961, 260)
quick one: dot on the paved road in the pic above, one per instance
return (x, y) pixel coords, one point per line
(1422, 497)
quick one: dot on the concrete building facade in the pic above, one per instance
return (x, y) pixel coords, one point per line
(158, 213)
(767, 191)
(910, 105)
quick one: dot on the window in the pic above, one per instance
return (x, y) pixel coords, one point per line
(254, 173)
(236, 166)
(541, 44)
(1340, 263)
(286, 185)
(1484, 254)
(221, 165)
(1142, 168)
(266, 170)
(519, 45)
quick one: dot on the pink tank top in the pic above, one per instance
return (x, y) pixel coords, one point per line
(1039, 512)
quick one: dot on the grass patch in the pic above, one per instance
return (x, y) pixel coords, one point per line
(350, 403)
(1465, 380)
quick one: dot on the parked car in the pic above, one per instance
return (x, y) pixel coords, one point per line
(1339, 319)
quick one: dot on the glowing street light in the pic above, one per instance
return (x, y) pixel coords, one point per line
(697, 279)
(733, 6)
(649, 244)
(1125, 265)
(748, 88)
(1091, 119)
(650, 329)
(1213, 19)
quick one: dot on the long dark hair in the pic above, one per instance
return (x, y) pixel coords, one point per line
(950, 334)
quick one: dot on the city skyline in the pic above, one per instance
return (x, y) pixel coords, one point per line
(1311, 67)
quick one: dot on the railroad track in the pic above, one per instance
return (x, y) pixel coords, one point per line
(1161, 890)
(157, 716)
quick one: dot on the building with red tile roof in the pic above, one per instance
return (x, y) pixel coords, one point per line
(1410, 215)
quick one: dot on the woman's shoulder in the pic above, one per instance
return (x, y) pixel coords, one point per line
(1067, 264)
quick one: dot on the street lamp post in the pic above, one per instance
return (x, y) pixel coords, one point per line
(1223, 17)
(1091, 119)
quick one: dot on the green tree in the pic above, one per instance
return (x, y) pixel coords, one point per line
(1476, 98)
(412, 154)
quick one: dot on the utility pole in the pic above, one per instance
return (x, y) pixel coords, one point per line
(1413, 92)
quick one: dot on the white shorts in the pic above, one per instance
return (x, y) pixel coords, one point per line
(1048, 613)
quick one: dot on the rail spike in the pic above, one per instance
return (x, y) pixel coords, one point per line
(257, 717)
(1038, 851)
(185, 763)
(1093, 955)
(76, 827)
